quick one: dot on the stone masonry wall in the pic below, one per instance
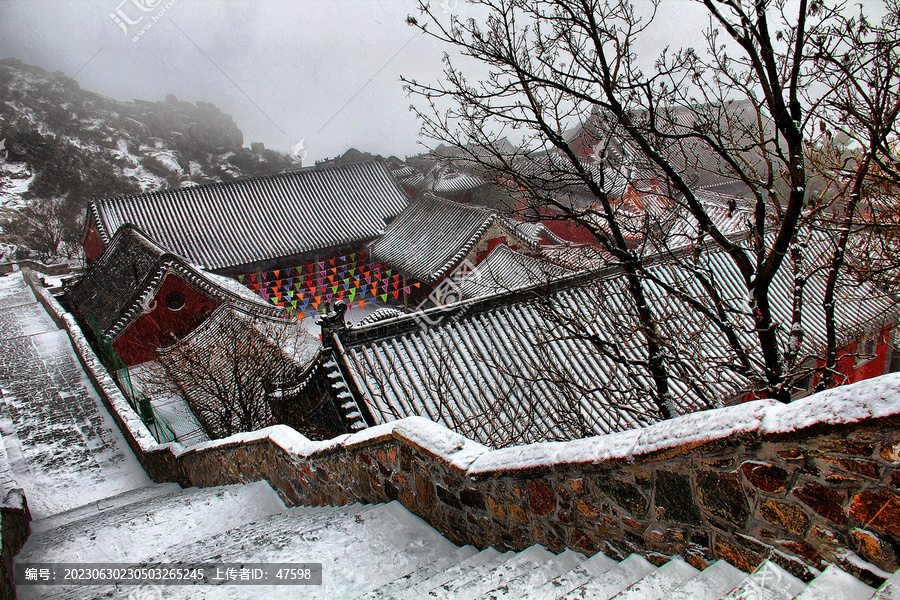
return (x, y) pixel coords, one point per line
(802, 484)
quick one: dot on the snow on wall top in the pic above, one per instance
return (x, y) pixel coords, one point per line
(873, 398)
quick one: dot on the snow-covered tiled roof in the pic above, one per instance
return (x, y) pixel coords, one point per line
(112, 292)
(505, 269)
(440, 179)
(696, 161)
(431, 236)
(729, 214)
(454, 183)
(403, 172)
(501, 373)
(515, 369)
(254, 219)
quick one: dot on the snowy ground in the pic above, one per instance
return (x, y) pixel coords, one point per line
(63, 447)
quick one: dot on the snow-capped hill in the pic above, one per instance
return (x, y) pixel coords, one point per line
(60, 140)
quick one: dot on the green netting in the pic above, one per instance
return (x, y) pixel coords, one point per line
(158, 426)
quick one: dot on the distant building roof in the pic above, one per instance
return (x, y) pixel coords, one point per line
(534, 234)
(697, 162)
(431, 236)
(127, 274)
(254, 219)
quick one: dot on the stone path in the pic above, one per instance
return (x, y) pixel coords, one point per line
(63, 448)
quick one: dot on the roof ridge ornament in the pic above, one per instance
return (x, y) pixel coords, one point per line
(332, 321)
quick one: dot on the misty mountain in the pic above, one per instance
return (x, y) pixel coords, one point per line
(64, 143)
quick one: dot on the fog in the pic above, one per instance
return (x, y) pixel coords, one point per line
(326, 72)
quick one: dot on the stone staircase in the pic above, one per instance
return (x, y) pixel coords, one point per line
(369, 552)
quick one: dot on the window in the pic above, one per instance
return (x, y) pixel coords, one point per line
(174, 301)
(866, 348)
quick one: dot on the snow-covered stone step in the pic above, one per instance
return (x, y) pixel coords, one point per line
(517, 587)
(657, 585)
(890, 589)
(409, 580)
(561, 585)
(613, 581)
(361, 548)
(835, 584)
(480, 581)
(486, 559)
(113, 502)
(712, 583)
(135, 531)
(770, 582)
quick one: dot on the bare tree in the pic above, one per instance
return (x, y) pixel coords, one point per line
(741, 111)
(860, 61)
(49, 227)
(228, 369)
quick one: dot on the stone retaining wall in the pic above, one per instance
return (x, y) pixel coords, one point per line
(803, 484)
(59, 269)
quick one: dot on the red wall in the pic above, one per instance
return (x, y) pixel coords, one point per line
(849, 371)
(870, 368)
(93, 244)
(154, 329)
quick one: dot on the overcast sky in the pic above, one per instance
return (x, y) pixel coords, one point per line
(323, 71)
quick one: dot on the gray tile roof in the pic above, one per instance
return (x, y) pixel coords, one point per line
(130, 270)
(440, 179)
(533, 234)
(505, 269)
(255, 219)
(499, 371)
(513, 369)
(431, 236)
